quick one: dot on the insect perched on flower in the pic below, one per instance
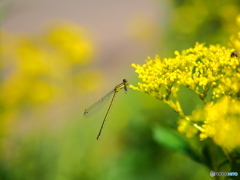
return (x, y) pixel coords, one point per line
(235, 54)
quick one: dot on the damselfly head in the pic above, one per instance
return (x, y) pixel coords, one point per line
(125, 84)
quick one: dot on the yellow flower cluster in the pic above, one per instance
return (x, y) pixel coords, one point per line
(199, 69)
(207, 71)
(71, 42)
(42, 68)
(222, 122)
(35, 67)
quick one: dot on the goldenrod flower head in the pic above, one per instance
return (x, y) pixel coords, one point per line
(201, 69)
(198, 68)
(186, 128)
(222, 122)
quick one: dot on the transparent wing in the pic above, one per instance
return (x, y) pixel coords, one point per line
(98, 105)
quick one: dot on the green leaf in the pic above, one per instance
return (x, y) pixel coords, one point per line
(171, 140)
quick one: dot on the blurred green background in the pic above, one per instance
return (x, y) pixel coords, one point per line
(60, 57)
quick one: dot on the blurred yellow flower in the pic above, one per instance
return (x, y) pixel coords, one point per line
(71, 42)
(42, 68)
(222, 122)
(190, 17)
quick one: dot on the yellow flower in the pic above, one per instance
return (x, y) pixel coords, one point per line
(71, 42)
(207, 71)
(43, 68)
(198, 68)
(187, 128)
(222, 122)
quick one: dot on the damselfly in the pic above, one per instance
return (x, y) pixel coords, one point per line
(112, 94)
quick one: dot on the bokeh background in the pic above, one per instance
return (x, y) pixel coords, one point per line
(59, 57)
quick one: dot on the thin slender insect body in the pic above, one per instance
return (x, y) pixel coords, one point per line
(105, 118)
(114, 91)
